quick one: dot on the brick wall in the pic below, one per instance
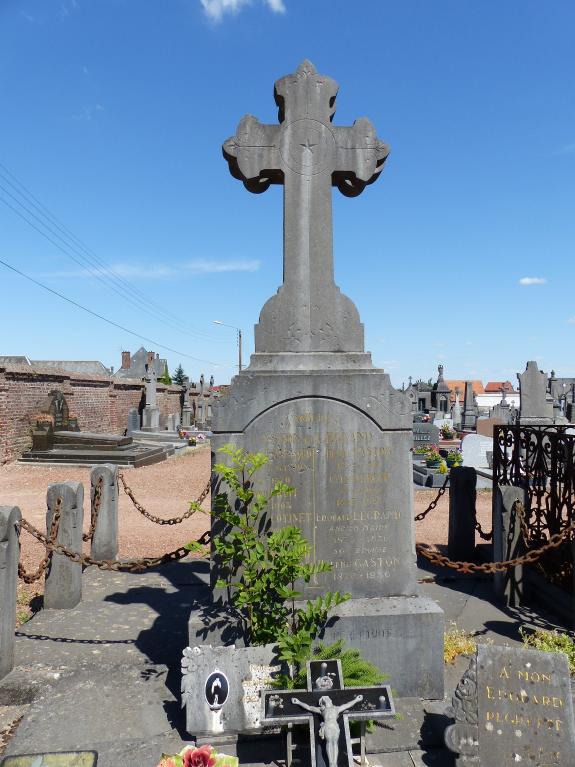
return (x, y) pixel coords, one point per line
(99, 403)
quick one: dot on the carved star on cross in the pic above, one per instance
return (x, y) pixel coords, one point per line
(308, 146)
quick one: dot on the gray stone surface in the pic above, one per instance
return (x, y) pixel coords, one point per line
(469, 409)
(307, 154)
(242, 669)
(513, 706)
(536, 405)
(10, 516)
(105, 539)
(151, 414)
(425, 434)
(462, 514)
(508, 542)
(456, 411)
(402, 636)
(474, 449)
(63, 586)
(133, 420)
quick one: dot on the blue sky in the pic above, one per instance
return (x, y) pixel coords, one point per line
(113, 116)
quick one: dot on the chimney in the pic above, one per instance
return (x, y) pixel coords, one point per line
(126, 357)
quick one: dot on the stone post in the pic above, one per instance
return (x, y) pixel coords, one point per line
(63, 588)
(9, 556)
(462, 513)
(105, 540)
(507, 542)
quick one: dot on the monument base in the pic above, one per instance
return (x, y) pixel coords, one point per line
(402, 636)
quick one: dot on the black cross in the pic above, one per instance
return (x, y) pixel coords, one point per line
(325, 680)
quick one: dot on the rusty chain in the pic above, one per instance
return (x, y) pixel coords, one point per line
(133, 566)
(194, 505)
(94, 510)
(433, 503)
(49, 541)
(7, 733)
(497, 567)
(482, 534)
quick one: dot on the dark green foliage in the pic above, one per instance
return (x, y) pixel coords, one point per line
(179, 376)
(165, 379)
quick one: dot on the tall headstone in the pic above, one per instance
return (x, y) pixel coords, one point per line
(456, 411)
(469, 408)
(151, 414)
(332, 425)
(133, 420)
(187, 413)
(536, 407)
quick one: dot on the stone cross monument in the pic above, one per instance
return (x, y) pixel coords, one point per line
(151, 414)
(331, 424)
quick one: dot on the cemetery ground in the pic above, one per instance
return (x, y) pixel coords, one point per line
(105, 675)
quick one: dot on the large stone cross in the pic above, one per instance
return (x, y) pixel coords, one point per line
(327, 706)
(308, 155)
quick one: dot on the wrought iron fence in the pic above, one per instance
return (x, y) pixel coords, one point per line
(541, 459)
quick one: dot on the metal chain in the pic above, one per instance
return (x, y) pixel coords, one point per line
(433, 503)
(160, 520)
(48, 541)
(132, 566)
(485, 536)
(95, 509)
(7, 732)
(497, 567)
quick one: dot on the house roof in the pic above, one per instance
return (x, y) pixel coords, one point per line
(494, 387)
(88, 367)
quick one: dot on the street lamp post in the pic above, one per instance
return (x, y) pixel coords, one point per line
(239, 332)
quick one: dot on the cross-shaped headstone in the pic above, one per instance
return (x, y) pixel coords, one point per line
(327, 706)
(308, 155)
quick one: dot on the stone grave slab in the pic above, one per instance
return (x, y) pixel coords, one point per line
(513, 707)
(425, 434)
(56, 759)
(474, 449)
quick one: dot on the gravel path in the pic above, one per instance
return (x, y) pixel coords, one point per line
(165, 489)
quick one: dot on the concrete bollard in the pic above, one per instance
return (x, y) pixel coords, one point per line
(462, 514)
(507, 542)
(63, 588)
(9, 557)
(105, 539)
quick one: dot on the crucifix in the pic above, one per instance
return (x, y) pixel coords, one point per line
(327, 707)
(307, 155)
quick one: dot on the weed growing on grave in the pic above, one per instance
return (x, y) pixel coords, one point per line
(457, 642)
(551, 641)
(261, 567)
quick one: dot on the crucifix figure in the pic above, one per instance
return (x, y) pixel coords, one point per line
(307, 155)
(320, 706)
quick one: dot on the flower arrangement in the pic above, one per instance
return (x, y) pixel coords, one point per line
(446, 431)
(432, 453)
(454, 457)
(421, 449)
(194, 756)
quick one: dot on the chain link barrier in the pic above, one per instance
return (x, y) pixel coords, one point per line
(528, 558)
(433, 504)
(482, 534)
(7, 732)
(94, 510)
(50, 540)
(194, 505)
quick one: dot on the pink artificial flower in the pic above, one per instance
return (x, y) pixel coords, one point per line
(200, 757)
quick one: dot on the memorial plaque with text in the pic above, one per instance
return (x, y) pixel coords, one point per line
(514, 706)
(350, 503)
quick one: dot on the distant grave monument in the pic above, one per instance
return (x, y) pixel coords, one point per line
(536, 407)
(331, 424)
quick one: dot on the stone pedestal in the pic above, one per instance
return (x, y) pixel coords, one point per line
(151, 418)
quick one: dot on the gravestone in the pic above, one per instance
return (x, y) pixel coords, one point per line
(331, 424)
(456, 411)
(327, 706)
(513, 707)
(425, 434)
(151, 414)
(133, 421)
(469, 408)
(474, 449)
(536, 408)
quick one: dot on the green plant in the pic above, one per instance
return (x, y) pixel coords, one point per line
(432, 453)
(446, 431)
(420, 449)
(457, 642)
(179, 376)
(261, 567)
(165, 378)
(454, 456)
(551, 641)
(443, 467)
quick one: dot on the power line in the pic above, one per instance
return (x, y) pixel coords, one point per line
(90, 261)
(105, 319)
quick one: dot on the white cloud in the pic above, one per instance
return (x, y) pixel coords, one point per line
(571, 320)
(88, 113)
(28, 16)
(215, 9)
(161, 271)
(533, 281)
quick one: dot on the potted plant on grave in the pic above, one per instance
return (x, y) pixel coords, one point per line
(432, 457)
(447, 431)
(454, 458)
